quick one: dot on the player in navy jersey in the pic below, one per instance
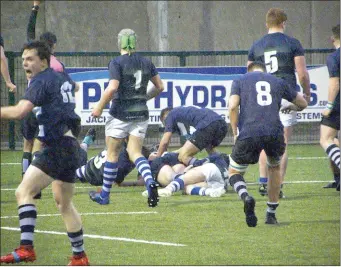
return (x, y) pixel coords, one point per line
(281, 54)
(210, 127)
(258, 95)
(29, 126)
(130, 74)
(51, 96)
(4, 68)
(330, 123)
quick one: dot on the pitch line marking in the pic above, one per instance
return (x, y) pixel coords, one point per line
(293, 182)
(291, 158)
(103, 237)
(90, 213)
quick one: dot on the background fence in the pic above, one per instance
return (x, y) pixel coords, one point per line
(11, 137)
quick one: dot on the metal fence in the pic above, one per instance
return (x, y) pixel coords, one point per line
(11, 137)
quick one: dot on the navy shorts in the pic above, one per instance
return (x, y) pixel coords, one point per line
(61, 160)
(29, 126)
(247, 151)
(210, 136)
(333, 121)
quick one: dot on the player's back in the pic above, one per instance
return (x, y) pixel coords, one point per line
(278, 51)
(260, 98)
(184, 117)
(53, 95)
(133, 73)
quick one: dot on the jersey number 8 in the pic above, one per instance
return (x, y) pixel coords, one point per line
(264, 97)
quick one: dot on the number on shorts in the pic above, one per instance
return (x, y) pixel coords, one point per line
(271, 61)
(138, 77)
(264, 97)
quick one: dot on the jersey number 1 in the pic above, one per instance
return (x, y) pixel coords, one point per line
(138, 77)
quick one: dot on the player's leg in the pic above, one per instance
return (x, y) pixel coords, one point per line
(335, 170)
(89, 138)
(137, 134)
(327, 135)
(63, 193)
(263, 174)
(27, 154)
(274, 148)
(187, 151)
(34, 181)
(193, 176)
(244, 152)
(115, 132)
(284, 161)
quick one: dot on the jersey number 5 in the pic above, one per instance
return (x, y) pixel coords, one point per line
(264, 97)
(271, 61)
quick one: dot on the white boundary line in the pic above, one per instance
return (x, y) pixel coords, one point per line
(103, 237)
(291, 158)
(89, 213)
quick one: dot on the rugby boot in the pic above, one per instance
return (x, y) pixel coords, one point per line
(79, 260)
(96, 197)
(249, 209)
(23, 253)
(270, 218)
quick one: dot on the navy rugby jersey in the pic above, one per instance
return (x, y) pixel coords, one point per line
(277, 51)
(180, 119)
(52, 94)
(333, 64)
(133, 72)
(260, 99)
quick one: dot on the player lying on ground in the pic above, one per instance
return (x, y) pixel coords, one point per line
(207, 177)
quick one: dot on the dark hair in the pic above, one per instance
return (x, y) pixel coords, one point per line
(336, 32)
(275, 17)
(43, 51)
(256, 64)
(164, 113)
(49, 37)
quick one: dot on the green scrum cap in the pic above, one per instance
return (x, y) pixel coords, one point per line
(127, 40)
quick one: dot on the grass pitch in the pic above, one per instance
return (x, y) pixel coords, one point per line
(189, 230)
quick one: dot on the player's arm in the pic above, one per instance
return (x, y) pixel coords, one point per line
(106, 97)
(18, 111)
(234, 102)
(333, 90)
(248, 63)
(5, 72)
(303, 75)
(31, 26)
(157, 88)
(164, 143)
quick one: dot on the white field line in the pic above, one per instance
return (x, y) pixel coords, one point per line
(89, 213)
(291, 158)
(255, 183)
(103, 237)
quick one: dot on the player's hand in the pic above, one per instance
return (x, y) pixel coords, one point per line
(326, 112)
(96, 112)
(235, 139)
(12, 87)
(288, 108)
(152, 156)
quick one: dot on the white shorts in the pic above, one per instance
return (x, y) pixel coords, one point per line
(287, 119)
(121, 129)
(212, 175)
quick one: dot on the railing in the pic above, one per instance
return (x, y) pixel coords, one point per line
(10, 131)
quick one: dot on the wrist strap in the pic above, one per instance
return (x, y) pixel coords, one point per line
(330, 105)
(35, 8)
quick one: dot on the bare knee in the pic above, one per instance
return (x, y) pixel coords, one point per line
(62, 205)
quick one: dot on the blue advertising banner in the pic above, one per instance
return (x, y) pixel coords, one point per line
(199, 86)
